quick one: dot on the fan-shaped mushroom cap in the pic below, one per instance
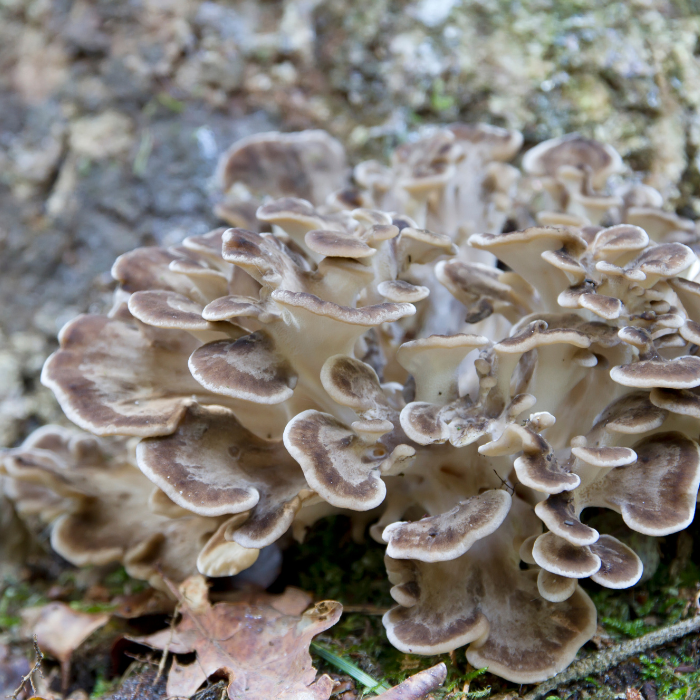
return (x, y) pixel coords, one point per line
(164, 309)
(296, 217)
(340, 466)
(656, 494)
(106, 516)
(632, 414)
(494, 142)
(555, 588)
(682, 402)
(484, 598)
(538, 466)
(619, 243)
(451, 534)
(661, 262)
(250, 368)
(308, 164)
(482, 290)
(212, 466)
(335, 244)
(605, 457)
(620, 567)
(221, 557)
(353, 383)
(401, 291)
(558, 513)
(116, 376)
(147, 269)
(560, 557)
(679, 373)
(597, 158)
(656, 222)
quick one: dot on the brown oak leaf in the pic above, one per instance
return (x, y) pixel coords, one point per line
(262, 652)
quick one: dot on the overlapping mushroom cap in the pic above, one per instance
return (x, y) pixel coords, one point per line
(102, 509)
(354, 353)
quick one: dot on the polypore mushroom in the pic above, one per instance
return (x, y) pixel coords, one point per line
(351, 352)
(484, 599)
(310, 165)
(105, 514)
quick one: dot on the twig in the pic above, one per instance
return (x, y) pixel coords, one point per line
(164, 657)
(603, 660)
(418, 686)
(29, 676)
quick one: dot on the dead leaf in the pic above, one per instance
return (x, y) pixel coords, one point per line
(60, 630)
(262, 652)
(292, 602)
(418, 685)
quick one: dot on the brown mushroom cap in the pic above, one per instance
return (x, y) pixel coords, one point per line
(548, 157)
(656, 495)
(558, 513)
(559, 556)
(537, 467)
(632, 414)
(296, 217)
(605, 457)
(336, 244)
(231, 306)
(249, 368)
(484, 598)
(147, 269)
(618, 243)
(115, 376)
(164, 309)
(682, 402)
(213, 466)
(663, 261)
(555, 588)
(494, 142)
(401, 291)
(449, 535)
(309, 164)
(337, 463)
(375, 315)
(353, 383)
(620, 567)
(265, 258)
(678, 373)
(107, 516)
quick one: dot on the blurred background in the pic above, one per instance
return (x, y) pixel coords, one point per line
(113, 115)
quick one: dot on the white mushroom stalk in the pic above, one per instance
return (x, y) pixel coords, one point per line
(352, 345)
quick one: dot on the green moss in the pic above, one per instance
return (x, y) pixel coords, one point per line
(670, 684)
(330, 565)
(15, 597)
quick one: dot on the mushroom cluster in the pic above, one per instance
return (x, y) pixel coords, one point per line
(378, 351)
